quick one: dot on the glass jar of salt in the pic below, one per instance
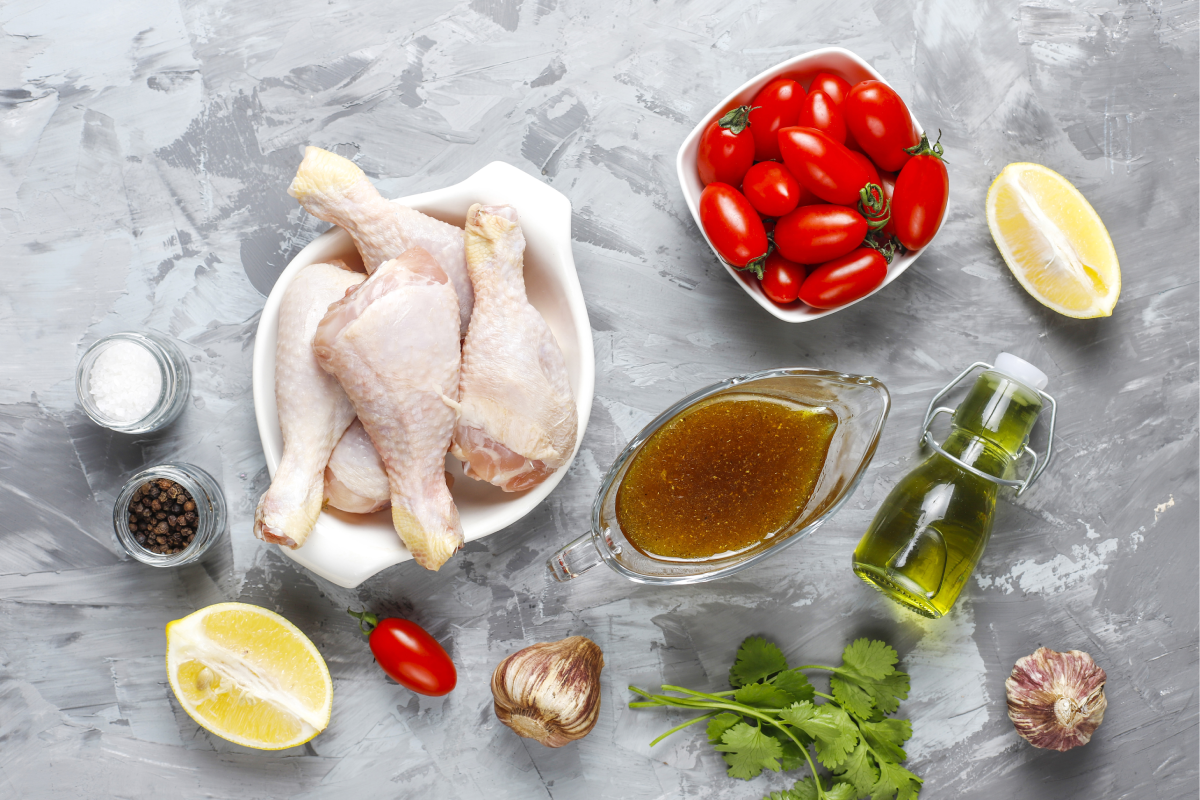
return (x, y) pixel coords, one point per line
(133, 382)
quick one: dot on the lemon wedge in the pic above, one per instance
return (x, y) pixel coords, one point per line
(249, 676)
(1053, 241)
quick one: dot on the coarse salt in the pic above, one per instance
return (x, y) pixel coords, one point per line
(125, 382)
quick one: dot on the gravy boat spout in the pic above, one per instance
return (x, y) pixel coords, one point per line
(861, 405)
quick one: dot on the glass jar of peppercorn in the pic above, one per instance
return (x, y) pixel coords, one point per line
(169, 514)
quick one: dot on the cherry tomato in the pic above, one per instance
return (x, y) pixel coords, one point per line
(834, 86)
(781, 278)
(868, 165)
(771, 189)
(408, 654)
(880, 123)
(777, 105)
(822, 113)
(732, 225)
(823, 165)
(922, 188)
(726, 149)
(815, 234)
(845, 279)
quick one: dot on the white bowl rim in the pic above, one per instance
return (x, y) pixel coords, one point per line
(326, 245)
(685, 166)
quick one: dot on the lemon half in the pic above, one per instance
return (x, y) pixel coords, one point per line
(1053, 241)
(249, 676)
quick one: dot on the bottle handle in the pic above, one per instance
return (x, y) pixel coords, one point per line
(574, 559)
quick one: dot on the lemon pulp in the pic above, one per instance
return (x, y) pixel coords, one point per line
(1053, 241)
(249, 676)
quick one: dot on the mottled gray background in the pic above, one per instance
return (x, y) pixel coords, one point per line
(144, 151)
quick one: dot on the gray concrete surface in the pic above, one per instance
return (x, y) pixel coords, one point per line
(144, 151)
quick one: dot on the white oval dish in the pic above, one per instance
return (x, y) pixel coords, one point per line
(349, 548)
(802, 68)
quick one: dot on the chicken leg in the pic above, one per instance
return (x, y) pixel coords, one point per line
(355, 479)
(313, 409)
(393, 346)
(517, 418)
(334, 189)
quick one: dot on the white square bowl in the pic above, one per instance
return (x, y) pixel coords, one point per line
(803, 69)
(349, 548)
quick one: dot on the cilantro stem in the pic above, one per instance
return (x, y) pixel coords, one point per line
(692, 721)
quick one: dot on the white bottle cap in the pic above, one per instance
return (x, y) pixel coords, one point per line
(1021, 370)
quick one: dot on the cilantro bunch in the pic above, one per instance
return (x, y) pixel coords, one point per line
(771, 719)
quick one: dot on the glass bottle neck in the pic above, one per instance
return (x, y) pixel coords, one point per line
(992, 424)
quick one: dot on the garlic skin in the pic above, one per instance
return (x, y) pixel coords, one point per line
(1056, 700)
(550, 691)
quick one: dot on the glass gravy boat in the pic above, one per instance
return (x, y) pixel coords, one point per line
(861, 404)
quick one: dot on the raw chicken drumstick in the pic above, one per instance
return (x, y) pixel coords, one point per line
(355, 479)
(313, 409)
(334, 189)
(517, 418)
(393, 346)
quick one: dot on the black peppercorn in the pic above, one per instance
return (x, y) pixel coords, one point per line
(162, 517)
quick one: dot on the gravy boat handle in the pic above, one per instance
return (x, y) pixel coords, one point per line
(574, 559)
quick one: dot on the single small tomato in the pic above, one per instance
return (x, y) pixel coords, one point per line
(823, 165)
(733, 226)
(880, 123)
(777, 105)
(845, 279)
(816, 234)
(820, 112)
(771, 189)
(781, 278)
(726, 149)
(408, 654)
(835, 86)
(922, 189)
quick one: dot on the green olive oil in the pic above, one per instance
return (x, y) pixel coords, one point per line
(932, 529)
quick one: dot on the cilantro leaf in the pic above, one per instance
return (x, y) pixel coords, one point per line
(852, 697)
(870, 658)
(795, 683)
(792, 758)
(895, 780)
(886, 736)
(806, 789)
(886, 692)
(749, 751)
(859, 771)
(756, 659)
(763, 695)
(832, 729)
(719, 724)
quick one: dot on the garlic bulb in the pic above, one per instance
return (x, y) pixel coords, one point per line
(550, 691)
(1056, 700)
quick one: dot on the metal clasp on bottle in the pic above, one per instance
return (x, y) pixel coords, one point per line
(1039, 464)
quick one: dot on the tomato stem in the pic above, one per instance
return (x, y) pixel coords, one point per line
(756, 265)
(736, 120)
(874, 206)
(924, 148)
(887, 249)
(366, 620)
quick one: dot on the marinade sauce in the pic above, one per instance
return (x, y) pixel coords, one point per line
(723, 476)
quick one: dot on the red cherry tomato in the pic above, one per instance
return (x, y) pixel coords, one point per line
(771, 189)
(726, 149)
(815, 234)
(832, 85)
(922, 188)
(732, 225)
(408, 654)
(820, 112)
(844, 280)
(781, 278)
(880, 123)
(777, 105)
(822, 165)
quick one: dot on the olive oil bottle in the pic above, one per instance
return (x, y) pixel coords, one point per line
(932, 529)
